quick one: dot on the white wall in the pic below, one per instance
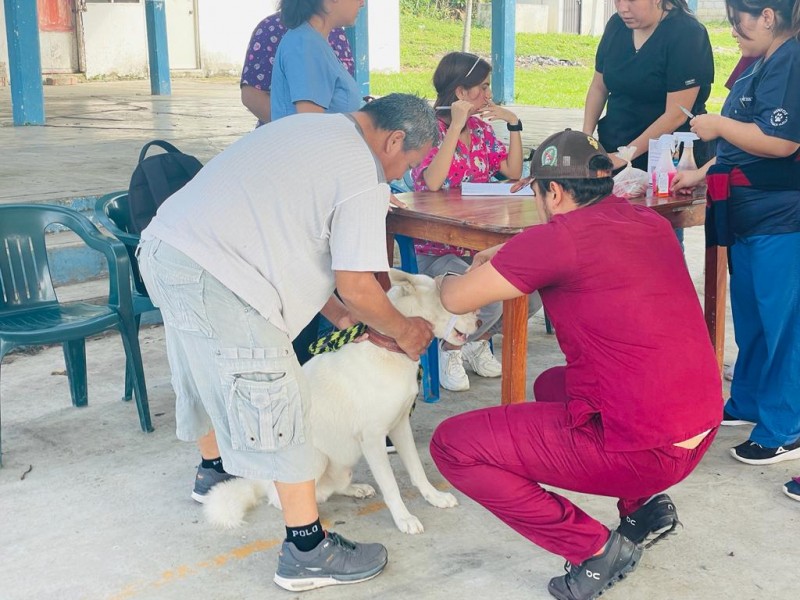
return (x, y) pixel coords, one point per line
(225, 28)
(384, 35)
(3, 45)
(116, 40)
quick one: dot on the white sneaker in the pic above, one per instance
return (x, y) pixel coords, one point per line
(452, 375)
(479, 356)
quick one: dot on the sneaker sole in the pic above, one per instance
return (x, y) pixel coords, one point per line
(662, 533)
(736, 423)
(790, 455)
(617, 577)
(201, 498)
(790, 494)
(313, 583)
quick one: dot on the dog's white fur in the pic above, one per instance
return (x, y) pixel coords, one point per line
(359, 395)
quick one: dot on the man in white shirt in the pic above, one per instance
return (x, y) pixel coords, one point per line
(242, 257)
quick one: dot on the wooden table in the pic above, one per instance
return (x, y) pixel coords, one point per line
(482, 222)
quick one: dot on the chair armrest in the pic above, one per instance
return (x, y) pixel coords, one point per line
(119, 291)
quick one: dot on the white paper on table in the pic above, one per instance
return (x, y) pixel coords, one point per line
(492, 189)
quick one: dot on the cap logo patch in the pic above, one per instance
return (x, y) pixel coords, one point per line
(566, 161)
(550, 157)
(593, 142)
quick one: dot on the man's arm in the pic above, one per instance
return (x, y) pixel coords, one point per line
(367, 302)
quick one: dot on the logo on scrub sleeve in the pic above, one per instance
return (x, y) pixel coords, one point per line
(779, 117)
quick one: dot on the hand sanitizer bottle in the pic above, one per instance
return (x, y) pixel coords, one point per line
(665, 169)
(687, 162)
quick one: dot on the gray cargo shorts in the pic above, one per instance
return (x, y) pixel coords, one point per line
(231, 370)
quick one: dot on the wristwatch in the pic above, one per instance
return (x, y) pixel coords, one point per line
(517, 127)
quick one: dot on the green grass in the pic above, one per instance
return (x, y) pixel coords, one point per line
(424, 41)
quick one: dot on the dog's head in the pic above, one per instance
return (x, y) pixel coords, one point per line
(418, 296)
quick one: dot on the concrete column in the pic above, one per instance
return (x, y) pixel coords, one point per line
(157, 52)
(358, 37)
(503, 51)
(25, 63)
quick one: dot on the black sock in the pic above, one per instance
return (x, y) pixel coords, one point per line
(213, 463)
(306, 537)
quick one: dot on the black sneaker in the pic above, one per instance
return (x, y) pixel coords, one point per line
(652, 522)
(595, 575)
(390, 449)
(730, 421)
(755, 454)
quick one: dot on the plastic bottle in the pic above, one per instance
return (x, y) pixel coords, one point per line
(665, 169)
(687, 162)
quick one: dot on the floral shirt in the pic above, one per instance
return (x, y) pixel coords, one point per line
(476, 163)
(257, 70)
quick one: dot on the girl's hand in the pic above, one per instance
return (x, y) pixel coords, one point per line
(707, 127)
(460, 111)
(492, 111)
(684, 182)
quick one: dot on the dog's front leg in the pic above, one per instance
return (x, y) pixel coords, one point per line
(374, 449)
(403, 439)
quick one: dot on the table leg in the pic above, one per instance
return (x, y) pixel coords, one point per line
(515, 350)
(715, 297)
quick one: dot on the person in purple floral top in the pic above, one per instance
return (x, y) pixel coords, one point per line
(257, 70)
(468, 150)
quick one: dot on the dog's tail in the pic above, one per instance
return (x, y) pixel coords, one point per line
(228, 502)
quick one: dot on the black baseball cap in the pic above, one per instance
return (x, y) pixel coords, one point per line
(566, 155)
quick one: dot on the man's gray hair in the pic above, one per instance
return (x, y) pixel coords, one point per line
(405, 112)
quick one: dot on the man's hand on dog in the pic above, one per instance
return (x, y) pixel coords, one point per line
(416, 337)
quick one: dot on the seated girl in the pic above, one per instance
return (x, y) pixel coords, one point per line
(468, 150)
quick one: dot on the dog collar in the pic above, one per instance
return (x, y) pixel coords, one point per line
(383, 341)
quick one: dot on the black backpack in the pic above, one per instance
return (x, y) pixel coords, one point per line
(155, 179)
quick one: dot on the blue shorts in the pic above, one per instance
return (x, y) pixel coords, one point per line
(231, 370)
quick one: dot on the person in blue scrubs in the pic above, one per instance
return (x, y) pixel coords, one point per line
(307, 76)
(758, 146)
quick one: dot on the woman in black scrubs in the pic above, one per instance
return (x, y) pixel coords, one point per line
(654, 57)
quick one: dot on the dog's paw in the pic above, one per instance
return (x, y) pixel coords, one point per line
(359, 490)
(409, 524)
(441, 499)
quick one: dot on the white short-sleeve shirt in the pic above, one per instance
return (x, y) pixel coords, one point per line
(277, 212)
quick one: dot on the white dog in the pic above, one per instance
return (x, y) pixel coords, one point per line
(360, 394)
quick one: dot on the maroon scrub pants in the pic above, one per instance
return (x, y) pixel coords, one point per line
(501, 456)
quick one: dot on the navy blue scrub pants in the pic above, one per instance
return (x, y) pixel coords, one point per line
(765, 299)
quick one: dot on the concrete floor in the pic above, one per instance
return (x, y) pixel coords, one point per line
(92, 508)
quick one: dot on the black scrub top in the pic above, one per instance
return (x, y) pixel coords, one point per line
(677, 56)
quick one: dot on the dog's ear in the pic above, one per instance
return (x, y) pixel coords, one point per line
(402, 281)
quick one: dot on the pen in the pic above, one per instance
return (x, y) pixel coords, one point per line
(685, 111)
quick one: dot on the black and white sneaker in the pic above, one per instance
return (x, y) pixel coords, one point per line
(752, 453)
(730, 421)
(595, 575)
(652, 522)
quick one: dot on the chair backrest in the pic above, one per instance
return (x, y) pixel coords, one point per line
(113, 213)
(25, 280)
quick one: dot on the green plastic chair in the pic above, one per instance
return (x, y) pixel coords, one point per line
(30, 313)
(111, 211)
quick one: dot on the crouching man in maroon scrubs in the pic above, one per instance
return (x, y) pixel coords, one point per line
(639, 400)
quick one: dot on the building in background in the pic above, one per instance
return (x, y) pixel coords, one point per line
(107, 38)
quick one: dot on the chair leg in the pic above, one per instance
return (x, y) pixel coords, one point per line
(128, 373)
(430, 373)
(130, 339)
(75, 359)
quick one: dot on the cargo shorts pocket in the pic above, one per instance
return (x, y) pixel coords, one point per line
(265, 411)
